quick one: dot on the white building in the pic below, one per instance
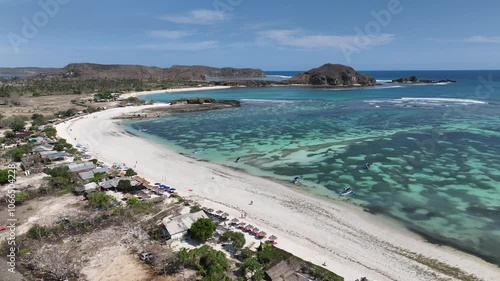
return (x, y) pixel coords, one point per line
(176, 227)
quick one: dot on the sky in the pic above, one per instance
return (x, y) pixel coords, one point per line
(271, 35)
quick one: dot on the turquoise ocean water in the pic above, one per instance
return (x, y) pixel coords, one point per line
(434, 149)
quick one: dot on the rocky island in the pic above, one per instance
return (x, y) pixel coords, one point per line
(332, 75)
(415, 80)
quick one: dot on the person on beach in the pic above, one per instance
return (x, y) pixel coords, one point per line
(251, 202)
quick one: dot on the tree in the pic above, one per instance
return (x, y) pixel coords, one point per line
(98, 177)
(9, 134)
(237, 238)
(4, 176)
(202, 229)
(17, 153)
(17, 123)
(124, 185)
(130, 172)
(38, 119)
(101, 200)
(252, 267)
(50, 132)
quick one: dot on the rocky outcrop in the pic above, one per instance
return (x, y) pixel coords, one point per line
(332, 75)
(415, 80)
(246, 83)
(204, 100)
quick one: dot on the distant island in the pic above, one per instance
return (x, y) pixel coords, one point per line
(333, 75)
(415, 80)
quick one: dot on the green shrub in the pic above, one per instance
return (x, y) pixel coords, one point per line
(202, 229)
(37, 232)
(195, 209)
(21, 197)
(101, 200)
(133, 201)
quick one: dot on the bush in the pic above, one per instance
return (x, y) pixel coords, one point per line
(124, 185)
(270, 255)
(21, 197)
(130, 172)
(38, 119)
(202, 229)
(17, 153)
(253, 267)
(237, 238)
(50, 132)
(133, 201)
(195, 209)
(98, 177)
(4, 176)
(9, 134)
(101, 200)
(37, 232)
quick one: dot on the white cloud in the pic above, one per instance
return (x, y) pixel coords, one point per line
(197, 17)
(181, 46)
(170, 34)
(483, 39)
(301, 39)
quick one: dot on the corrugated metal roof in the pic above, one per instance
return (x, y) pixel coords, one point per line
(182, 223)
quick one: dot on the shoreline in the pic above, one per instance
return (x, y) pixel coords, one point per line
(177, 90)
(350, 241)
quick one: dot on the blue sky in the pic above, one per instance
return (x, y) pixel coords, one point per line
(272, 35)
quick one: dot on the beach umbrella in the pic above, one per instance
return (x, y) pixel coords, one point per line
(255, 230)
(225, 215)
(262, 234)
(250, 227)
(235, 220)
(242, 224)
(157, 183)
(219, 212)
(272, 238)
(210, 210)
(205, 209)
(171, 189)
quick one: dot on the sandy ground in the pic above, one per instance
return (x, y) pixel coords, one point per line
(137, 94)
(351, 242)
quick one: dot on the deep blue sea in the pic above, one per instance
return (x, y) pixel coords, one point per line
(434, 149)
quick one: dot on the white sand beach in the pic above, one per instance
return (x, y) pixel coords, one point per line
(350, 242)
(138, 94)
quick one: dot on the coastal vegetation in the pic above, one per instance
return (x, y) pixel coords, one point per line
(202, 229)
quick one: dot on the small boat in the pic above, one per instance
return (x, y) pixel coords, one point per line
(297, 179)
(143, 130)
(347, 192)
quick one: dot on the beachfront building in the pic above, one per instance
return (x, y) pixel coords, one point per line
(86, 188)
(52, 155)
(113, 183)
(177, 227)
(81, 167)
(287, 270)
(90, 174)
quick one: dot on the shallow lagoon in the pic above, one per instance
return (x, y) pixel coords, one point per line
(435, 162)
